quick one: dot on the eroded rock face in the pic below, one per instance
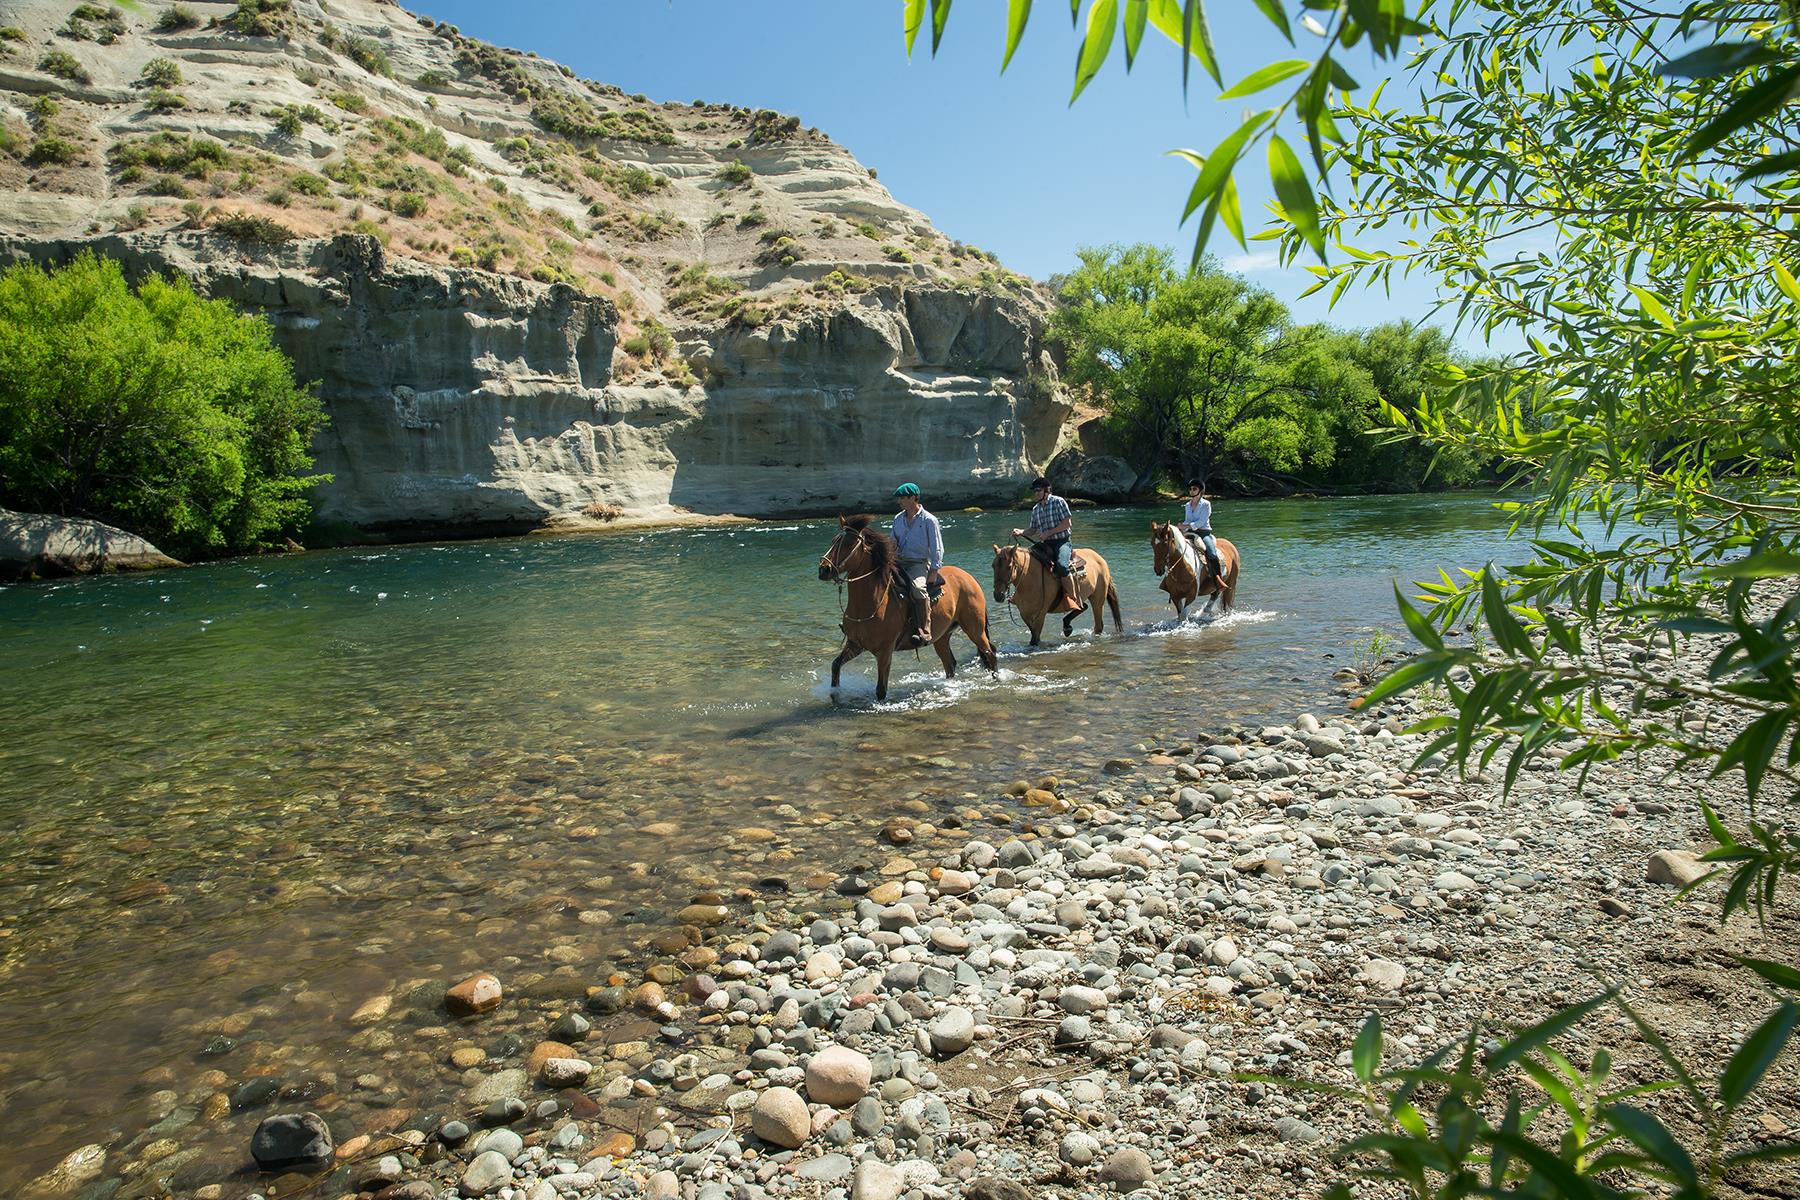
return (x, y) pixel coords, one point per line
(1105, 478)
(467, 401)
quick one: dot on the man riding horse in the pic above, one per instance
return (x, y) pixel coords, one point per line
(1051, 525)
(921, 545)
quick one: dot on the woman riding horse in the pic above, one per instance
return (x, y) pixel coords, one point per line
(863, 559)
(1022, 577)
(1186, 577)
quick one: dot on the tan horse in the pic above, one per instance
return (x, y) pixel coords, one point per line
(1036, 592)
(863, 557)
(1187, 579)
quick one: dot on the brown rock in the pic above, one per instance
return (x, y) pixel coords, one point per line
(476, 994)
(543, 1052)
(1676, 867)
(615, 1144)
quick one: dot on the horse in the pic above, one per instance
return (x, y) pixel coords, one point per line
(1184, 571)
(1035, 590)
(875, 618)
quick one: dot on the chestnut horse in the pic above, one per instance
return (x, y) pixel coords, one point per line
(863, 556)
(1035, 591)
(1184, 571)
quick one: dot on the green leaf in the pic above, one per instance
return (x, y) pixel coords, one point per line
(1720, 58)
(1295, 192)
(1779, 974)
(1277, 15)
(1184, 23)
(1103, 17)
(1769, 565)
(1406, 675)
(940, 13)
(1650, 1136)
(1137, 13)
(1216, 168)
(1751, 105)
(1500, 621)
(1757, 1054)
(1265, 77)
(1784, 279)
(1018, 12)
(1365, 1054)
(1421, 629)
(914, 18)
(1652, 306)
(1551, 1027)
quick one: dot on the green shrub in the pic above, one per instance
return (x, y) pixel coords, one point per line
(280, 197)
(371, 229)
(90, 22)
(50, 150)
(869, 231)
(176, 18)
(308, 184)
(168, 185)
(254, 228)
(433, 79)
(308, 76)
(64, 65)
(177, 152)
(163, 100)
(161, 72)
(462, 256)
(349, 101)
(408, 204)
(261, 18)
(12, 33)
(735, 173)
(288, 122)
(10, 141)
(154, 410)
(368, 54)
(574, 117)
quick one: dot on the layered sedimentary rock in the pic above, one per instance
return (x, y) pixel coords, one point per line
(41, 546)
(462, 400)
(522, 294)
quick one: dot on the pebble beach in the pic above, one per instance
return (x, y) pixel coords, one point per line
(1076, 1008)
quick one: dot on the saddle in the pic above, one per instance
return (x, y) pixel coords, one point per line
(1084, 586)
(900, 590)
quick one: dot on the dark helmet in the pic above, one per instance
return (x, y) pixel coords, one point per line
(1040, 482)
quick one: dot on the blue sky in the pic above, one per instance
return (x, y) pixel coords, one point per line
(1001, 161)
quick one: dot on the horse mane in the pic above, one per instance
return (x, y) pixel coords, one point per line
(881, 543)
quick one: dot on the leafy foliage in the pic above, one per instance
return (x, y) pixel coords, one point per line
(261, 18)
(1613, 184)
(161, 72)
(177, 18)
(160, 412)
(574, 117)
(64, 65)
(1204, 376)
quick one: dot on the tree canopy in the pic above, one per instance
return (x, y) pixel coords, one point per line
(152, 409)
(1204, 376)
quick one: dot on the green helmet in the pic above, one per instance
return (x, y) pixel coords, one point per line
(907, 489)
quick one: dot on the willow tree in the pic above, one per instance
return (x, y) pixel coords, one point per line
(1614, 183)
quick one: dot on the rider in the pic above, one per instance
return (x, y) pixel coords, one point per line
(1051, 524)
(1196, 520)
(921, 545)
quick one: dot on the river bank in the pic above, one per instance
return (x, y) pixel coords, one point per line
(1058, 1006)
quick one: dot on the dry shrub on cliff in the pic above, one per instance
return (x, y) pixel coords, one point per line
(600, 511)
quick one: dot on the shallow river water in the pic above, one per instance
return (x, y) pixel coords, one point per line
(237, 801)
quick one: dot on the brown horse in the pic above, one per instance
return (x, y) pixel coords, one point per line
(863, 557)
(1035, 591)
(1187, 577)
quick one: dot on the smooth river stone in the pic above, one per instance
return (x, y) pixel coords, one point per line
(476, 994)
(838, 1076)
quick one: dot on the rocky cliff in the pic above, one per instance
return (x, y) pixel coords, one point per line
(524, 295)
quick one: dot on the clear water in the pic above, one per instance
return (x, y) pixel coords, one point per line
(246, 797)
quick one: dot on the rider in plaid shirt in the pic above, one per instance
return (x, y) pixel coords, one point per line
(1051, 524)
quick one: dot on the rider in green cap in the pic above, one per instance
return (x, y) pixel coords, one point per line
(921, 545)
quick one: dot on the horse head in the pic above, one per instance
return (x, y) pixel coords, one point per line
(839, 557)
(1165, 553)
(1006, 572)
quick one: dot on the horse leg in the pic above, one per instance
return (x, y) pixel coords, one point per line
(1036, 625)
(978, 634)
(884, 658)
(944, 655)
(850, 651)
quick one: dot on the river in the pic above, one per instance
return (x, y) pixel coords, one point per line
(241, 799)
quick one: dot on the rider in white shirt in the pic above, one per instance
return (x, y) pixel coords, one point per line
(1196, 520)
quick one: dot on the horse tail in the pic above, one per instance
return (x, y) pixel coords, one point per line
(1112, 602)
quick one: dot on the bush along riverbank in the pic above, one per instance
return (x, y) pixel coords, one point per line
(1074, 1009)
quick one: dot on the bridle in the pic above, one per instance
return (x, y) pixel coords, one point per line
(1010, 554)
(835, 571)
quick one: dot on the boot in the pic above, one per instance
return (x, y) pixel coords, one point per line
(1212, 560)
(918, 622)
(1070, 603)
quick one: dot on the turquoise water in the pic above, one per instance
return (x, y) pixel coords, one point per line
(248, 796)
